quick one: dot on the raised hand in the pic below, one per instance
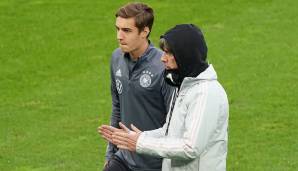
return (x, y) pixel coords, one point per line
(106, 132)
(127, 138)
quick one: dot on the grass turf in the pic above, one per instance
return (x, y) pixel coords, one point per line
(54, 81)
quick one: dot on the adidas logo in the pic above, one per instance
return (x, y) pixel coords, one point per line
(118, 73)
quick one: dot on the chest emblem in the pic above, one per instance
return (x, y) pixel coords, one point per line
(119, 86)
(145, 79)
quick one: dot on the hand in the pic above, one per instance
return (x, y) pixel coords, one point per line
(126, 139)
(106, 132)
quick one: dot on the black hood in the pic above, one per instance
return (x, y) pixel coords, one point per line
(188, 46)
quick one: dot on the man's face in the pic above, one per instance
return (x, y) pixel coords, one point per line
(128, 35)
(169, 60)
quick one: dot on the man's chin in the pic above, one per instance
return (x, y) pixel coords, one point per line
(124, 49)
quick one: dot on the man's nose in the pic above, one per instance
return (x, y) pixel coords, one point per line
(119, 35)
(163, 58)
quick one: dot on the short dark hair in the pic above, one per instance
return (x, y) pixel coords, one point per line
(143, 14)
(164, 45)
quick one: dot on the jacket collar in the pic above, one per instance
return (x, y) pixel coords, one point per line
(208, 74)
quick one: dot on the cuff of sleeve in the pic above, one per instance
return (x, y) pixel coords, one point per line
(108, 156)
(139, 145)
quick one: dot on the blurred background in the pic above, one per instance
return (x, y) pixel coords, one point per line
(55, 88)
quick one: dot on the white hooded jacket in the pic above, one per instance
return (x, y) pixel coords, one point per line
(198, 131)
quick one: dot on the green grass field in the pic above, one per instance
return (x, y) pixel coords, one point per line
(54, 78)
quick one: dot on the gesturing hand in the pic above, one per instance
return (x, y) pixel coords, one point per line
(106, 132)
(126, 139)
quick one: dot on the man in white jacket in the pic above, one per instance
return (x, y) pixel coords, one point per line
(195, 135)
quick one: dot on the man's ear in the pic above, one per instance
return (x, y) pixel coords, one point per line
(145, 32)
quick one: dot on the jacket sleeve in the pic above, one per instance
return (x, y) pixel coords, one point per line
(200, 124)
(115, 115)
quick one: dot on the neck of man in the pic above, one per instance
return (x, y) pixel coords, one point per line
(137, 53)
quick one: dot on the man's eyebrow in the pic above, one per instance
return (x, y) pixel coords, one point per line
(124, 28)
(165, 50)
